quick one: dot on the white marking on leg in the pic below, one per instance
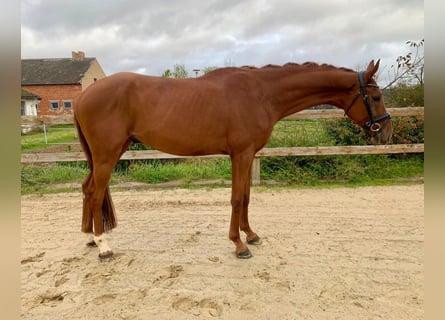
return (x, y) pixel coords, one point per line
(102, 243)
(90, 240)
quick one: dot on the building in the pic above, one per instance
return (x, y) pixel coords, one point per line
(58, 81)
(29, 103)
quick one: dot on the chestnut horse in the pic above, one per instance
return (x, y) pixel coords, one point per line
(228, 111)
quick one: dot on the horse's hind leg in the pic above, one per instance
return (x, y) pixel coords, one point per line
(98, 189)
(87, 217)
(101, 176)
(87, 214)
(89, 192)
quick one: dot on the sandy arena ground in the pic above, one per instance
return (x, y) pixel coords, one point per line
(326, 254)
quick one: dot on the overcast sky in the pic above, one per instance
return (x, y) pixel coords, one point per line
(149, 36)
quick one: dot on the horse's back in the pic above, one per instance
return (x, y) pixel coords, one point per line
(110, 90)
(194, 116)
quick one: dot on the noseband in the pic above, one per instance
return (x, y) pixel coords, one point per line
(374, 123)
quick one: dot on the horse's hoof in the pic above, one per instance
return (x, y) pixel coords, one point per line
(255, 241)
(244, 254)
(91, 244)
(106, 256)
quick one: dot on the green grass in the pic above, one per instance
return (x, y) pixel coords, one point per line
(299, 134)
(345, 170)
(37, 179)
(190, 170)
(322, 171)
(55, 134)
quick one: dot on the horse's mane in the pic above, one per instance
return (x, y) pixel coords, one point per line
(287, 66)
(305, 65)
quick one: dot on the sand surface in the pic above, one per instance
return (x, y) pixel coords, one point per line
(346, 253)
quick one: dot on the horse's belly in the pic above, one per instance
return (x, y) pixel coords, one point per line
(185, 143)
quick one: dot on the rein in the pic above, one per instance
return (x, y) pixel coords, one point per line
(374, 123)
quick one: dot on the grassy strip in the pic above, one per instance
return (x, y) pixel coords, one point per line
(301, 133)
(54, 135)
(342, 170)
(319, 171)
(37, 179)
(190, 170)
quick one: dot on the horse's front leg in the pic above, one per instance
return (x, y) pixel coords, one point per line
(251, 237)
(241, 170)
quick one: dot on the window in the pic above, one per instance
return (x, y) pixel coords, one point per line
(54, 105)
(22, 108)
(67, 104)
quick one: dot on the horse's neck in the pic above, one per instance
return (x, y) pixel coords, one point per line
(290, 91)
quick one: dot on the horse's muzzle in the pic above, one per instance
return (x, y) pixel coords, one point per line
(384, 135)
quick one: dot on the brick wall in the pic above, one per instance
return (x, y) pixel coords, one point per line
(53, 93)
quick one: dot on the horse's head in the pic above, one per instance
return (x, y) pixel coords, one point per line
(369, 112)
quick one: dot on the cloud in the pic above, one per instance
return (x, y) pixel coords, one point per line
(151, 36)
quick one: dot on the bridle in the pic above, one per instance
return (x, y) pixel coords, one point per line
(373, 124)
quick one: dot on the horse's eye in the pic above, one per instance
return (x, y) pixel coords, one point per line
(376, 98)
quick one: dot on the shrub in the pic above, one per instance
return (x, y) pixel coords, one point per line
(403, 95)
(405, 130)
(408, 130)
(344, 132)
(350, 169)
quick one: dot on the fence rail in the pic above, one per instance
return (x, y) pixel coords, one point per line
(302, 115)
(30, 158)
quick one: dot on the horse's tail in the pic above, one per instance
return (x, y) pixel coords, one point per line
(108, 212)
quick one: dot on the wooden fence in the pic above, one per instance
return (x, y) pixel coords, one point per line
(30, 158)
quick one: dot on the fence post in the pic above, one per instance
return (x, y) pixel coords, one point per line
(44, 133)
(256, 168)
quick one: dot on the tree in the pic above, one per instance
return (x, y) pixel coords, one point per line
(167, 74)
(409, 69)
(209, 69)
(179, 71)
(406, 89)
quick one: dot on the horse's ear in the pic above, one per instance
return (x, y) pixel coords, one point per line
(372, 68)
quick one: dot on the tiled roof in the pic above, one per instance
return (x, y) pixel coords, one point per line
(54, 71)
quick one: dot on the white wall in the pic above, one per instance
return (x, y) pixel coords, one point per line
(30, 107)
